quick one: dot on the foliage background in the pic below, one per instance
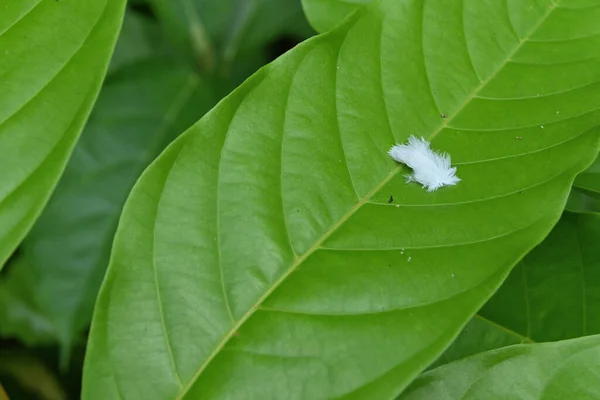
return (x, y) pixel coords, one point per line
(173, 62)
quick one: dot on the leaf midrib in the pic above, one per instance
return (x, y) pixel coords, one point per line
(358, 205)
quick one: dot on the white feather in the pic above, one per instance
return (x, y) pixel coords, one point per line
(431, 169)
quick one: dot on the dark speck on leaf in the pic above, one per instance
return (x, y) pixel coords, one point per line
(444, 115)
(391, 199)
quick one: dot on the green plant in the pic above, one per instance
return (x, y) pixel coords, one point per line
(47, 94)
(275, 250)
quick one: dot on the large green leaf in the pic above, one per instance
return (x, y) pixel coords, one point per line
(53, 57)
(551, 371)
(259, 257)
(552, 294)
(49, 292)
(325, 15)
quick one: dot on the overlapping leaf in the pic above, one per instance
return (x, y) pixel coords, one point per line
(30, 373)
(48, 294)
(325, 15)
(552, 371)
(479, 335)
(552, 294)
(583, 201)
(53, 57)
(590, 178)
(139, 40)
(260, 256)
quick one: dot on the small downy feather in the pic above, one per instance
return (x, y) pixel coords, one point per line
(431, 169)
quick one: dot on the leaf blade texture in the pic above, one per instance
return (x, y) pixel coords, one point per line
(48, 292)
(550, 295)
(262, 241)
(53, 57)
(567, 369)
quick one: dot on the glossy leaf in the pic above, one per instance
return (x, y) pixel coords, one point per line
(325, 15)
(260, 256)
(48, 294)
(551, 371)
(53, 57)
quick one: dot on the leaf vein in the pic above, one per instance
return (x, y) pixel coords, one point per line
(318, 243)
(466, 40)
(456, 244)
(21, 18)
(425, 69)
(59, 71)
(573, 89)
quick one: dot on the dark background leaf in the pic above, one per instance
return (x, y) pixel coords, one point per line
(61, 263)
(213, 33)
(590, 178)
(552, 294)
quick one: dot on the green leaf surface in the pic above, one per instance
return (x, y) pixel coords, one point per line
(138, 41)
(590, 178)
(585, 195)
(552, 294)
(49, 292)
(550, 371)
(256, 23)
(478, 336)
(53, 57)
(583, 201)
(324, 15)
(259, 257)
